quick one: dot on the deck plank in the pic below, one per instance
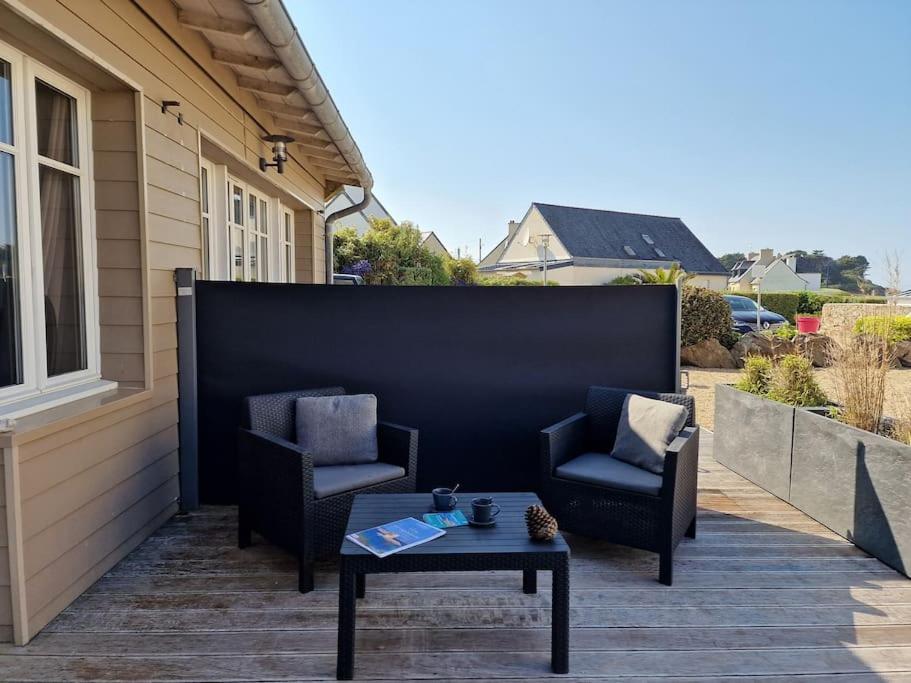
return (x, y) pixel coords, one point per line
(763, 594)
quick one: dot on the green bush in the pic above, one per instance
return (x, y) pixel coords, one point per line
(704, 315)
(756, 376)
(517, 280)
(787, 332)
(893, 328)
(625, 280)
(792, 382)
(462, 271)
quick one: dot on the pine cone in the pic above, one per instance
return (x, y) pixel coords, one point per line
(541, 524)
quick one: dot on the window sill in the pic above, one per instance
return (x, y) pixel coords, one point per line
(52, 399)
(95, 400)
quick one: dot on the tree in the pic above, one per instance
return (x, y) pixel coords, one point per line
(728, 260)
(389, 254)
(660, 276)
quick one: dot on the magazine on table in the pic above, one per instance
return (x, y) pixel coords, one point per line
(446, 520)
(394, 537)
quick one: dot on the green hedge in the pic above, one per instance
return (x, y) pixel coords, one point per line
(896, 328)
(789, 304)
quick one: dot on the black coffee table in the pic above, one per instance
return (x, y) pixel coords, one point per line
(505, 546)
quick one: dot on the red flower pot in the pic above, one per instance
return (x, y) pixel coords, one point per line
(807, 324)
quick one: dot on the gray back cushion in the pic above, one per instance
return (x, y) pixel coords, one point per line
(645, 430)
(338, 430)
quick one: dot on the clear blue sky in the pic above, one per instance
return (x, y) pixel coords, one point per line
(765, 123)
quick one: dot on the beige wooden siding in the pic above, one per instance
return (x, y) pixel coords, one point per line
(309, 247)
(117, 215)
(6, 606)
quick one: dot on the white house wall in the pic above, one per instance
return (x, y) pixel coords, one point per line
(533, 225)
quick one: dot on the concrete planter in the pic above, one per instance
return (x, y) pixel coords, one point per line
(753, 437)
(856, 483)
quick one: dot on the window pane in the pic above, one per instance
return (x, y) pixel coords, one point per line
(56, 124)
(287, 227)
(238, 255)
(61, 241)
(252, 204)
(6, 104)
(289, 263)
(204, 180)
(10, 340)
(206, 263)
(253, 277)
(238, 201)
(264, 250)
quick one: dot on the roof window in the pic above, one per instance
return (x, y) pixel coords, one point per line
(629, 250)
(647, 239)
(660, 253)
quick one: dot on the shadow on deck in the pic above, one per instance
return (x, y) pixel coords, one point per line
(764, 591)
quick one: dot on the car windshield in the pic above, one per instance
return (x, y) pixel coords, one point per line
(738, 304)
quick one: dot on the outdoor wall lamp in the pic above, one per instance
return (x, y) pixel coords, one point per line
(279, 152)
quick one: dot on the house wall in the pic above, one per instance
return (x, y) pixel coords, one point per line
(94, 478)
(6, 603)
(718, 283)
(532, 225)
(780, 278)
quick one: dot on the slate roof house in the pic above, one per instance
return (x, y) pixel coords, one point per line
(131, 137)
(594, 247)
(783, 273)
(359, 220)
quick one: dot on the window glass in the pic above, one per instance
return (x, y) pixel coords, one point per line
(6, 104)
(204, 181)
(63, 286)
(238, 203)
(56, 127)
(10, 332)
(238, 242)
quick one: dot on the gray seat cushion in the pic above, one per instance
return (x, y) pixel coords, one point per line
(331, 479)
(338, 430)
(645, 430)
(601, 469)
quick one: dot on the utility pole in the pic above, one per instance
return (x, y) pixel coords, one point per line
(479, 249)
(545, 241)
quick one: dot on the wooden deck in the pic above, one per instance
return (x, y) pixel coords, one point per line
(763, 593)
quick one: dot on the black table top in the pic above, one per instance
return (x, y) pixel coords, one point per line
(508, 536)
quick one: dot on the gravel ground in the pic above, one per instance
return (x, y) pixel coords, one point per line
(702, 387)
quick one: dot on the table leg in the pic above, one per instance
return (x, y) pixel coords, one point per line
(559, 638)
(361, 585)
(346, 615)
(529, 581)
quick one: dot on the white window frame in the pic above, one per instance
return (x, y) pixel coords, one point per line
(207, 216)
(286, 244)
(39, 391)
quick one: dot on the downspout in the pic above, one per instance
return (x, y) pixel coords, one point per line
(330, 220)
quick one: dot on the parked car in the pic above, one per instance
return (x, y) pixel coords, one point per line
(744, 315)
(346, 279)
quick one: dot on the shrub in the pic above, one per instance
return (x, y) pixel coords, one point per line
(787, 332)
(792, 382)
(462, 271)
(756, 376)
(782, 303)
(517, 280)
(625, 280)
(704, 315)
(891, 328)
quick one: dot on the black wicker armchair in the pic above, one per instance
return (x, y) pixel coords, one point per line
(295, 505)
(620, 502)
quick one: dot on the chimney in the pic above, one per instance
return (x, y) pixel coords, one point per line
(511, 228)
(766, 256)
